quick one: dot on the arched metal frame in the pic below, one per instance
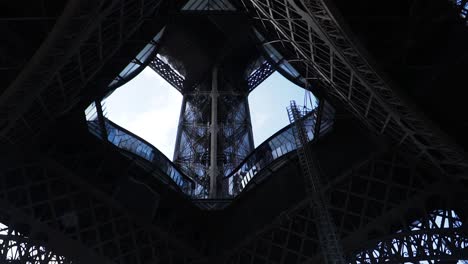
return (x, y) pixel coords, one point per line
(385, 209)
(319, 48)
(192, 144)
(439, 236)
(16, 247)
(138, 64)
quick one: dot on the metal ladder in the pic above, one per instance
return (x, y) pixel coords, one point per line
(329, 242)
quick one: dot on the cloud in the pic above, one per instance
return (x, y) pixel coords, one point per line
(158, 126)
(149, 107)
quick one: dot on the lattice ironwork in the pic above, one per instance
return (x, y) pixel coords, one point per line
(16, 247)
(84, 38)
(192, 143)
(440, 236)
(81, 220)
(208, 5)
(369, 204)
(315, 44)
(227, 120)
(165, 71)
(374, 200)
(330, 244)
(236, 131)
(131, 144)
(259, 75)
(138, 64)
(275, 147)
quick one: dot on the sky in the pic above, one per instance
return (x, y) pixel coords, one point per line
(268, 104)
(149, 107)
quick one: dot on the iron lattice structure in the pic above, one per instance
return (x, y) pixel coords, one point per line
(331, 249)
(440, 235)
(84, 224)
(87, 35)
(379, 218)
(318, 47)
(67, 197)
(233, 132)
(16, 247)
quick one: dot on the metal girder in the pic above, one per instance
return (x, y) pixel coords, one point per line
(173, 229)
(195, 136)
(440, 236)
(259, 75)
(365, 213)
(78, 216)
(165, 71)
(331, 248)
(17, 248)
(36, 242)
(192, 142)
(321, 50)
(85, 36)
(51, 56)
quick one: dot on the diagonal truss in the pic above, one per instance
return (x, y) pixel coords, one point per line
(320, 49)
(84, 38)
(259, 75)
(80, 221)
(165, 71)
(331, 248)
(382, 202)
(206, 115)
(440, 235)
(16, 247)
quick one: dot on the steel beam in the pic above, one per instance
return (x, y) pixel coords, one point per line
(309, 29)
(67, 61)
(80, 221)
(36, 234)
(293, 235)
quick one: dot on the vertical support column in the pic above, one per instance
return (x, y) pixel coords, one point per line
(101, 120)
(214, 137)
(179, 128)
(249, 123)
(214, 134)
(318, 119)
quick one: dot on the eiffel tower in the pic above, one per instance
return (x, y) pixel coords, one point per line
(376, 172)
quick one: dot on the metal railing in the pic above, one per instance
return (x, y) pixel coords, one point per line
(133, 144)
(275, 147)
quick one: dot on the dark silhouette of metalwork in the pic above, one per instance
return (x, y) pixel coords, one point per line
(331, 248)
(391, 145)
(18, 248)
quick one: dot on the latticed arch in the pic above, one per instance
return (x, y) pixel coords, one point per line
(375, 173)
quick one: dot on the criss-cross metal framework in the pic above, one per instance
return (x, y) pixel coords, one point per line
(331, 248)
(83, 223)
(384, 209)
(197, 128)
(165, 71)
(388, 208)
(16, 247)
(318, 47)
(439, 236)
(85, 37)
